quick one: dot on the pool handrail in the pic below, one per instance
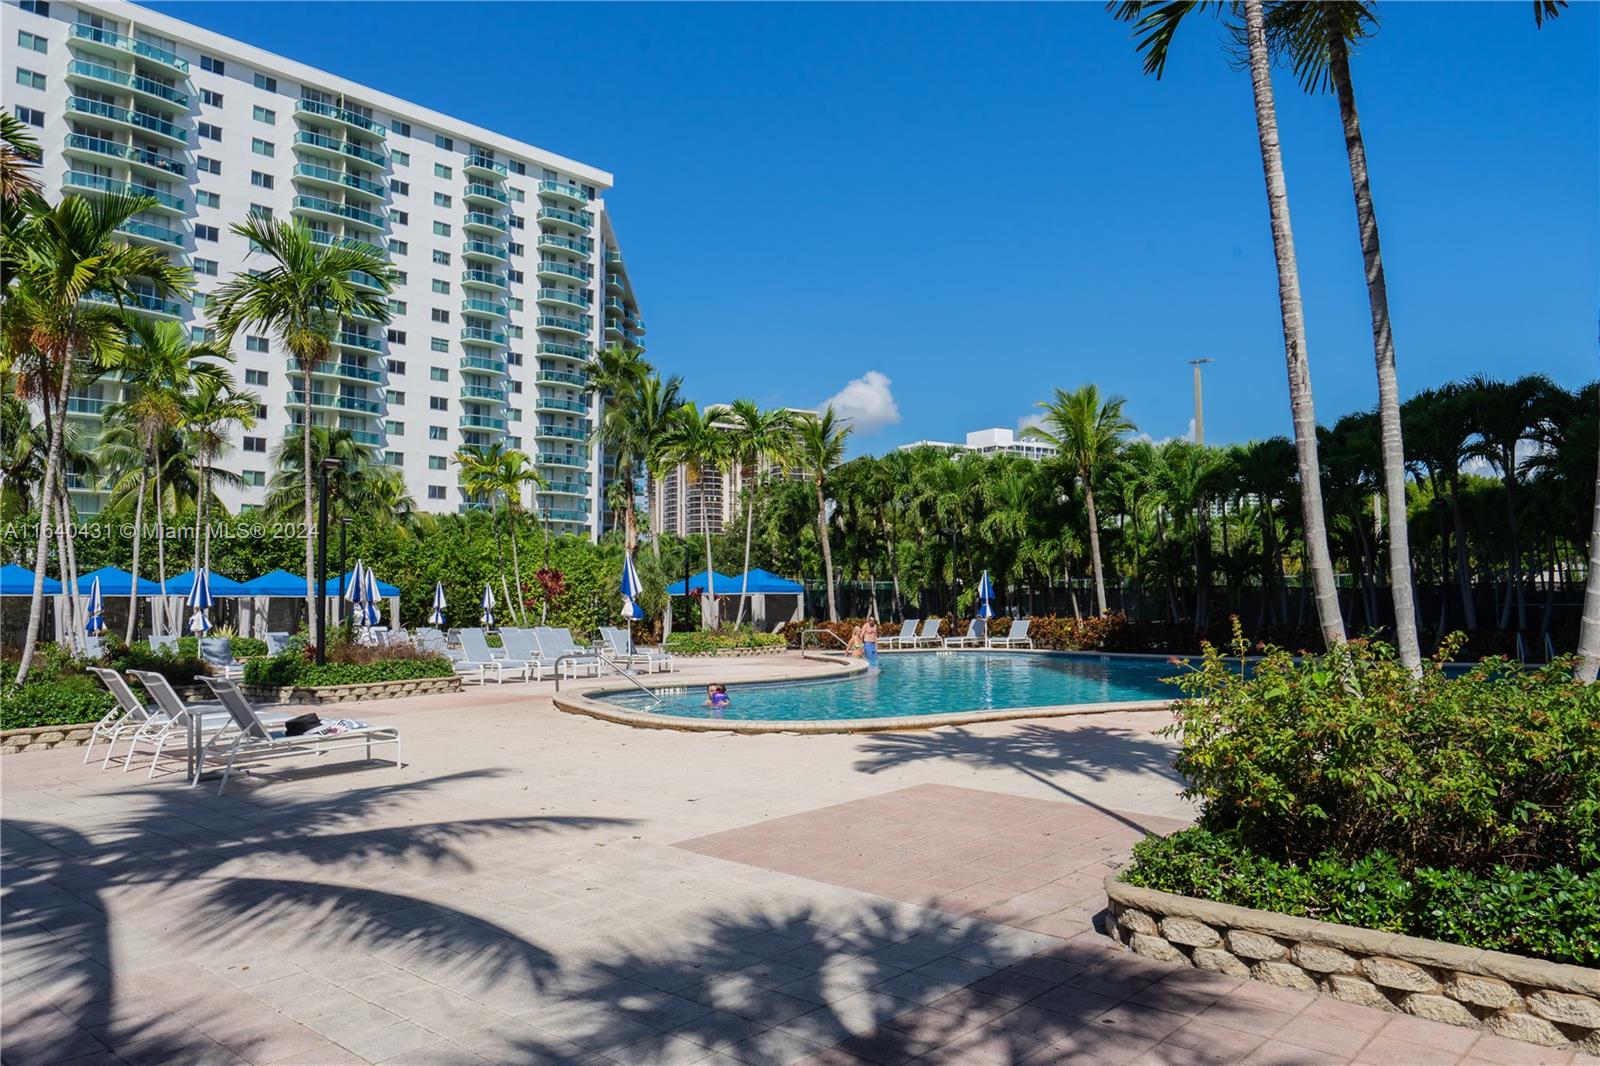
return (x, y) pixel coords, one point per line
(603, 657)
(828, 632)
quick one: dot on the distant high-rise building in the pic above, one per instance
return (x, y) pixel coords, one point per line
(989, 442)
(690, 506)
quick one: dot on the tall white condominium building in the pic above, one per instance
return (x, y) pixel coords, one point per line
(688, 506)
(989, 442)
(511, 275)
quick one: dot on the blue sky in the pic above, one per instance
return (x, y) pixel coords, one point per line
(980, 203)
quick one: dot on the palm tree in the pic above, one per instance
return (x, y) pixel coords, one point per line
(1588, 668)
(615, 380)
(52, 327)
(208, 409)
(1437, 431)
(1087, 432)
(759, 439)
(821, 442)
(162, 368)
(1504, 414)
(513, 473)
(697, 440)
(650, 414)
(1156, 22)
(483, 481)
(302, 297)
(19, 161)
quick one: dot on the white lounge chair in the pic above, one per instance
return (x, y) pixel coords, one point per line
(622, 649)
(174, 717)
(1016, 638)
(929, 634)
(248, 736)
(217, 653)
(907, 635)
(974, 635)
(561, 651)
(129, 713)
(277, 642)
(476, 653)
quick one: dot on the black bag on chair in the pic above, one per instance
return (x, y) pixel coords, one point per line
(295, 727)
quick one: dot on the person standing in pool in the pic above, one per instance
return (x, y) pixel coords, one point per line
(869, 642)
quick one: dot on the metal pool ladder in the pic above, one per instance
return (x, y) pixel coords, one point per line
(603, 657)
(804, 633)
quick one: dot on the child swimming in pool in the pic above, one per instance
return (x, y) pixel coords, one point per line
(717, 698)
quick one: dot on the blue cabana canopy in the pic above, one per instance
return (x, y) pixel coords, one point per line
(725, 585)
(114, 582)
(18, 581)
(764, 582)
(182, 584)
(385, 590)
(277, 583)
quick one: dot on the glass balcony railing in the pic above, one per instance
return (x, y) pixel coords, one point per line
(492, 251)
(340, 114)
(614, 282)
(307, 139)
(479, 191)
(479, 220)
(557, 377)
(78, 70)
(479, 335)
(347, 212)
(562, 296)
(614, 259)
(554, 459)
(559, 432)
(363, 436)
(337, 402)
(482, 422)
(151, 124)
(151, 232)
(358, 340)
(86, 405)
(80, 180)
(551, 242)
(142, 301)
(312, 172)
(485, 165)
(576, 219)
(614, 306)
(78, 142)
(569, 325)
(554, 514)
(485, 307)
(483, 394)
(483, 364)
(563, 191)
(93, 35)
(486, 279)
(546, 403)
(550, 267)
(565, 351)
(329, 368)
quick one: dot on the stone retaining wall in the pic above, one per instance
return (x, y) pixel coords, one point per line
(1548, 1003)
(374, 690)
(44, 737)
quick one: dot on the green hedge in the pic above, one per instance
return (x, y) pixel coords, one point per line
(243, 647)
(1550, 914)
(701, 641)
(286, 670)
(68, 700)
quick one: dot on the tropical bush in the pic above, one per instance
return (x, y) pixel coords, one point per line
(243, 647)
(287, 669)
(67, 700)
(1342, 787)
(703, 642)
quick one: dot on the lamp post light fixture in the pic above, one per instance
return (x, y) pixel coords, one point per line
(322, 558)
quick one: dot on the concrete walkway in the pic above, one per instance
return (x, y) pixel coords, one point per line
(536, 887)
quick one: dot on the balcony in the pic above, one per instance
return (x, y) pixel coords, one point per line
(560, 190)
(478, 364)
(494, 308)
(563, 298)
(153, 125)
(95, 183)
(333, 146)
(551, 242)
(86, 405)
(360, 278)
(80, 72)
(478, 335)
(614, 307)
(482, 422)
(564, 488)
(478, 222)
(551, 270)
(580, 352)
(484, 250)
(579, 462)
(342, 116)
(614, 259)
(347, 339)
(485, 279)
(483, 394)
(545, 403)
(558, 433)
(557, 377)
(96, 147)
(329, 369)
(562, 515)
(478, 166)
(337, 402)
(316, 205)
(614, 282)
(613, 331)
(578, 221)
(578, 327)
(485, 196)
(327, 177)
(149, 231)
(141, 301)
(109, 42)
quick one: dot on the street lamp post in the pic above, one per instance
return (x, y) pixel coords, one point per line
(1199, 412)
(322, 559)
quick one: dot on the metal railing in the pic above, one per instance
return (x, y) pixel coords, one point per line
(837, 639)
(603, 657)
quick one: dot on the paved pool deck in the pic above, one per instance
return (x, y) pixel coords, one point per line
(540, 887)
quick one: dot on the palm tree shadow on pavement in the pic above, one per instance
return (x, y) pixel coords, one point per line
(207, 864)
(1041, 752)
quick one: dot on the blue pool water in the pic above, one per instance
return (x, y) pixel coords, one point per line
(914, 683)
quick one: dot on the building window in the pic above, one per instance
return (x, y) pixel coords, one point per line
(518, 168)
(515, 302)
(441, 200)
(208, 132)
(435, 492)
(438, 373)
(401, 128)
(518, 195)
(440, 315)
(442, 258)
(261, 412)
(436, 462)
(255, 477)
(441, 141)
(38, 7)
(400, 159)
(393, 459)
(438, 403)
(32, 41)
(515, 275)
(397, 306)
(260, 180)
(514, 248)
(202, 198)
(400, 218)
(439, 344)
(255, 444)
(31, 115)
(210, 65)
(513, 414)
(260, 147)
(515, 359)
(400, 188)
(398, 247)
(400, 280)
(395, 336)
(441, 171)
(205, 233)
(256, 344)
(396, 399)
(210, 99)
(29, 78)
(441, 229)
(261, 209)
(395, 429)
(441, 287)
(207, 166)
(201, 335)
(208, 267)
(200, 300)
(264, 82)
(438, 433)
(264, 114)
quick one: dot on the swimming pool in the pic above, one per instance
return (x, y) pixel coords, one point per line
(921, 683)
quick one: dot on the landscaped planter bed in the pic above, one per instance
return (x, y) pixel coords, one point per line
(729, 653)
(372, 690)
(1549, 1003)
(71, 734)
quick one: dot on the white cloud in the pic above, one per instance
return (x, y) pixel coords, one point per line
(1035, 419)
(866, 403)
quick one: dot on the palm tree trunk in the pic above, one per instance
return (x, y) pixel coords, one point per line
(138, 536)
(666, 616)
(1588, 667)
(52, 472)
(1469, 607)
(305, 469)
(709, 601)
(500, 555)
(67, 556)
(516, 567)
(1318, 559)
(827, 552)
(1394, 469)
(1094, 545)
(161, 550)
